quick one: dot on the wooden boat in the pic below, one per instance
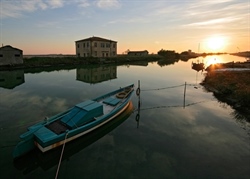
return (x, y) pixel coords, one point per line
(35, 159)
(75, 122)
(198, 66)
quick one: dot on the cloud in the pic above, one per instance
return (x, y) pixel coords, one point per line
(215, 15)
(83, 3)
(55, 3)
(108, 4)
(15, 9)
(214, 21)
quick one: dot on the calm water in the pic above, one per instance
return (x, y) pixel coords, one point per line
(204, 139)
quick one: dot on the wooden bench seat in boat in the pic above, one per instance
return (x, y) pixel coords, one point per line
(111, 101)
(44, 134)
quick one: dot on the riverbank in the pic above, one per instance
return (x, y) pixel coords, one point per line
(72, 61)
(232, 87)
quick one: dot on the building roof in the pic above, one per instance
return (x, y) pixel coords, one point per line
(8, 46)
(95, 39)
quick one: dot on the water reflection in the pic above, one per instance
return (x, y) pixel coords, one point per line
(11, 79)
(166, 62)
(171, 142)
(96, 74)
(240, 113)
(198, 66)
(208, 60)
(36, 158)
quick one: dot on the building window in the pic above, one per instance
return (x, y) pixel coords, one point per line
(107, 54)
(102, 45)
(107, 45)
(114, 53)
(83, 45)
(95, 53)
(95, 44)
(87, 44)
(78, 45)
(113, 45)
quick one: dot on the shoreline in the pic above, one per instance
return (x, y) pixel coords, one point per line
(231, 87)
(48, 61)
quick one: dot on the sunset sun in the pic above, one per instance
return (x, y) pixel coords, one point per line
(215, 43)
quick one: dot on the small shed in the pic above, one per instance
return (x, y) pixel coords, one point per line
(138, 53)
(10, 55)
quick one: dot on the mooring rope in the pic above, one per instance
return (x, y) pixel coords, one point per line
(57, 171)
(163, 88)
(173, 106)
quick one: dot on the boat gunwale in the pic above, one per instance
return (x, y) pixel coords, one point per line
(92, 124)
(75, 136)
(73, 133)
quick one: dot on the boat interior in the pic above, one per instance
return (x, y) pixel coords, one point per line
(87, 112)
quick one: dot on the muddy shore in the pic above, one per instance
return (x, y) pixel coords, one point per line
(231, 87)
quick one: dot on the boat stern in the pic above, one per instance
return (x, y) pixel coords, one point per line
(23, 147)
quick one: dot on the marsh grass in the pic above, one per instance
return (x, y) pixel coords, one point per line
(232, 85)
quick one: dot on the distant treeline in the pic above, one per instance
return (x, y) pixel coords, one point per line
(184, 55)
(73, 61)
(242, 54)
(171, 54)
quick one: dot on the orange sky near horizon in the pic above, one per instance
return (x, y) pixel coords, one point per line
(52, 27)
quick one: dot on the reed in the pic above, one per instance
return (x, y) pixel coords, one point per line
(231, 85)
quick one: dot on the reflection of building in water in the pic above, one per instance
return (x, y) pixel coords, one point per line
(96, 75)
(11, 79)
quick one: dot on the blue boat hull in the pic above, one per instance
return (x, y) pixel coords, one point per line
(75, 122)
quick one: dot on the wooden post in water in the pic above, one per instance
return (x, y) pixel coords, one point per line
(184, 100)
(138, 93)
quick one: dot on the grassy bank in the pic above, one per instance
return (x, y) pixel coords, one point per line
(40, 62)
(231, 87)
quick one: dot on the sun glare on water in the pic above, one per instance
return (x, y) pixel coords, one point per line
(214, 59)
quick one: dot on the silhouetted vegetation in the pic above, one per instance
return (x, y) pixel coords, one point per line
(242, 54)
(231, 87)
(72, 61)
(169, 54)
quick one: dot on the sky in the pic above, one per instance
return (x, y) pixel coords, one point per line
(53, 26)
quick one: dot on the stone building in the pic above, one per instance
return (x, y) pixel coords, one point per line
(96, 47)
(10, 55)
(138, 53)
